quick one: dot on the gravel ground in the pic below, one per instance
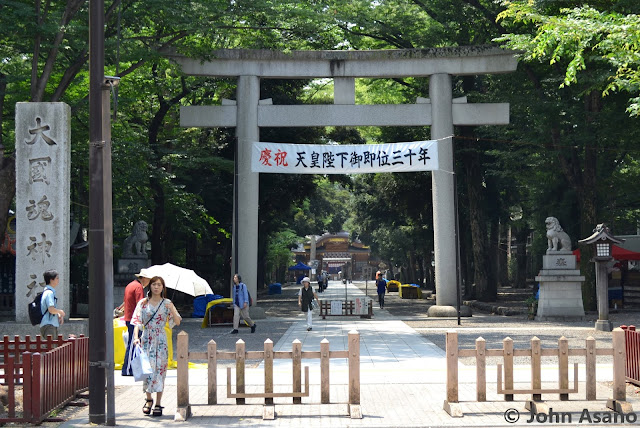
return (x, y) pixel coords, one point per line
(494, 328)
(282, 310)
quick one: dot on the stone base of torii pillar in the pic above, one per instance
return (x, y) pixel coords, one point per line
(442, 311)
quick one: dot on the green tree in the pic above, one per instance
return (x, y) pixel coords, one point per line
(585, 132)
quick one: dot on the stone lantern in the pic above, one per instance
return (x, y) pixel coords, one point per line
(602, 240)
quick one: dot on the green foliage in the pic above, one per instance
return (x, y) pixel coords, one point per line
(581, 37)
(279, 255)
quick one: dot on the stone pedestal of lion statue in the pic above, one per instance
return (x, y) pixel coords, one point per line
(560, 281)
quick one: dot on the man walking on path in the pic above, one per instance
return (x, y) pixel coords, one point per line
(241, 305)
(52, 317)
(305, 297)
(381, 285)
(133, 293)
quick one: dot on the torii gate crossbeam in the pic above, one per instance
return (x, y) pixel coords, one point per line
(440, 111)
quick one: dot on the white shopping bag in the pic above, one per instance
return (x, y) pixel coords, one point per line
(140, 365)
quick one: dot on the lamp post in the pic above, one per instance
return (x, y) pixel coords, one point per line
(602, 240)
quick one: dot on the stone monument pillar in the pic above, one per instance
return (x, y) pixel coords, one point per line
(560, 281)
(43, 161)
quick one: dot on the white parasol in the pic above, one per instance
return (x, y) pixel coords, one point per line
(180, 279)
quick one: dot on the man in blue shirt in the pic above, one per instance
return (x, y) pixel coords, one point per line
(240, 297)
(52, 317)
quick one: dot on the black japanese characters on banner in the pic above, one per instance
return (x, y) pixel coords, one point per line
(348, 159)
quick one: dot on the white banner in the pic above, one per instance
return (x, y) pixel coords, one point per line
(348, 159)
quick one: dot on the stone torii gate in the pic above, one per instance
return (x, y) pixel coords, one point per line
(440, 111)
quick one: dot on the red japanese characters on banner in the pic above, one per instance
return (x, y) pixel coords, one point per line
(344, 159)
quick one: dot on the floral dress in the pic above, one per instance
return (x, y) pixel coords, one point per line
(154, 340)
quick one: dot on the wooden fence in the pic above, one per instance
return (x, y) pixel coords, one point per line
(562, 352)
(632, 348)
(52, 371)
(296, 355)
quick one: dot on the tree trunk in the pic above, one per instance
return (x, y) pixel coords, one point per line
(159, 232)
(486, 290)
(7, 190)
(521, 235)
(7, 169)
(582, 178)
(502, 260)
(421, 281)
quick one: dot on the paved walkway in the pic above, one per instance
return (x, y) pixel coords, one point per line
(403, 383)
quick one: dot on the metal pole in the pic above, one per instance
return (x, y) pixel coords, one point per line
(344, 278)
(97, 329)
(108, 251)
(234, 229)
(457, 232)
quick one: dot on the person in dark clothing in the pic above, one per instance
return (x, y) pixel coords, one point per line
(381, 285)
(305, 297)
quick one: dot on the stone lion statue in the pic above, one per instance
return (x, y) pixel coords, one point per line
(557, 238)
(134, 245)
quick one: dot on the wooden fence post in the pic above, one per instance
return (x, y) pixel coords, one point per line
(563, 366)
(354, 367)
(268, 370)
(536, 381)
(481, 369)
(212, 372)
(183, 410)
(240, 366)
(27, 390)
(297, 369)
(507, 351)
(452, 366)
(324, 371)
(590, 363)
(36, 389)
(619, 353)
(451, 405)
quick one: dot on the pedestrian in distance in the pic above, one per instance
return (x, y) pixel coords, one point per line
(320, 282)
(133, 293)
(52, 317)
(381, 285)
(151, 315)
(305, 299)
(241, 305)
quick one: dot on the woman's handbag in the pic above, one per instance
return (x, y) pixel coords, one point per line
(140, 365)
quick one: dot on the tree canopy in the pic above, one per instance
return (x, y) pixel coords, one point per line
(570, 150)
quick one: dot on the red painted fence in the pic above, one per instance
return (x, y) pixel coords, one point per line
(52, 372)
(632, 346)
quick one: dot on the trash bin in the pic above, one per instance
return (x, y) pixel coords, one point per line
(275, 288)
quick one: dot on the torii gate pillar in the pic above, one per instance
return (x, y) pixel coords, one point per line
(444, 215)
(245, 226)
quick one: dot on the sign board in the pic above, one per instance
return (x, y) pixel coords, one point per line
(344, 159)
(336, 307)
(360, 306)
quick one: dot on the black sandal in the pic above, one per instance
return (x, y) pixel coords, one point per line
(157, 410)
(146, 409)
